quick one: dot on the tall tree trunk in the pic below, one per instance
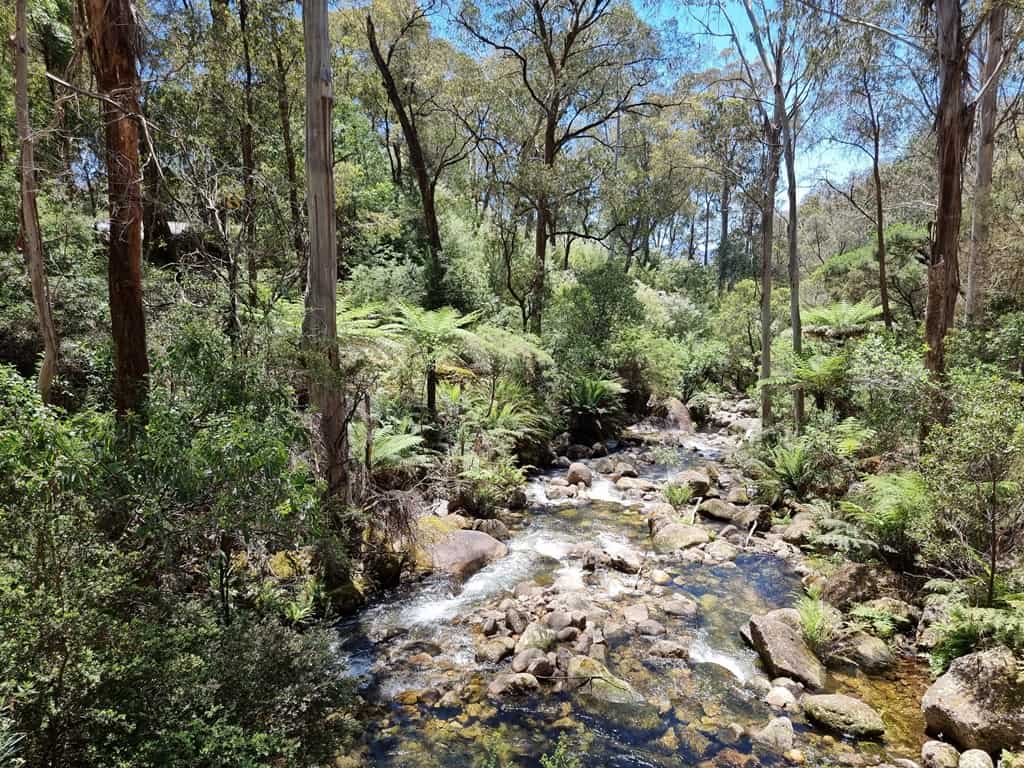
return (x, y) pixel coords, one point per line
(723, 238)
(248, 157)
(426, 180)
(540, 245)
(789, 146)
(284, 112)
(320, 324)
(31, 235)
(767, 236)
(112, 40)
(977, 261)
(952, 130)
(707, 226)
(883, 279)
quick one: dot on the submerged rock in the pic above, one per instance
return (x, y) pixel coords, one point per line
(589, 676)
(844, 714)
(979, 702)
(777, 735)
(870, 653)
(783, 650)
(493, 651)
(512, 684)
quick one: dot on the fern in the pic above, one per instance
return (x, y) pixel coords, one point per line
(969, 628)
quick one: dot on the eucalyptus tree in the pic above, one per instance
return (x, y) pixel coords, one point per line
(792, 46)
(418, 72)
(581, 64)
(29, 213)
(874, 92)
(111, 39)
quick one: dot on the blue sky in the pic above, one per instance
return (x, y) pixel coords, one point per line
(814, 162)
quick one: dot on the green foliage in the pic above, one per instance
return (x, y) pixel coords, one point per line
(678, 495)
(787, 471)
(842, 318)
(894, 509)
(970, 629)
(877, 621)
(593, 408)
(972, 468)
(823, 377)
(820, 623)
(564, 755)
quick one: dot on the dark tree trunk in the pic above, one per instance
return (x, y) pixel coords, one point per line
(789, 150)
(774, 151)
(426, 180)
(291, 169)
(112, 41)
(248, 157)
(952, 131)
(723, 242)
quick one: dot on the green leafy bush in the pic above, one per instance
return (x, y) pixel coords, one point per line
(820, 623)
(895, 508)
(593, 408)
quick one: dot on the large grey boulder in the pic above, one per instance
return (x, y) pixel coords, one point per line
(979, 702)
(855, 583)
(869, 653)
(784, 652)
(844, 714)
(800, 529)
(698, 482)
(718, 509)
(679, 536)
(512, 683)
(777, 735)
(579, 473)
(462, 553)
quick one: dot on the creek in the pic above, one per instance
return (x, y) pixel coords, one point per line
(407, 651)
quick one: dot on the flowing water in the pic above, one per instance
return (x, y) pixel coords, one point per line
(407, 651)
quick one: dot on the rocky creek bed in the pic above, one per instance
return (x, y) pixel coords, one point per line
(614, 618)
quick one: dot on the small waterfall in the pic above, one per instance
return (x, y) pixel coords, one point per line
(740, 667)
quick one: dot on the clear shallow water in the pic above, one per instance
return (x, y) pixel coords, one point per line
(407, 650)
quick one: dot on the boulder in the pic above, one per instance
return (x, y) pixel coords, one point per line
(680, 605)
(625, 561)
(784, 652)
(635, 483)
(650, 628)
(492, 527)
(576, 452)
(589, 676)
(979, 702)
(719, 509)
(975, 758)
(625, 469)
(698, 482)
(515, 683)
(522, 661)
(462, 553)
(515, 620)
(722, 550)
(737, 495)
(856, 582)
(604, 465)
(869, 653)
(844, 714)
(536, 635)
(579, 473)
(670, 649)
(937, 610)
(781, 698)
(493, 651)
(558, 620)
(635, 613)
(677, 416)
(598, 449)
(679, 536)
(800, 529)
(777, 735)
(936, 754)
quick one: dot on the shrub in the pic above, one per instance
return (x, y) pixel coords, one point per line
(678, 495)
(820, 623)
(895, 509)
(593, 408)
(788, 471)
(969, 629)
